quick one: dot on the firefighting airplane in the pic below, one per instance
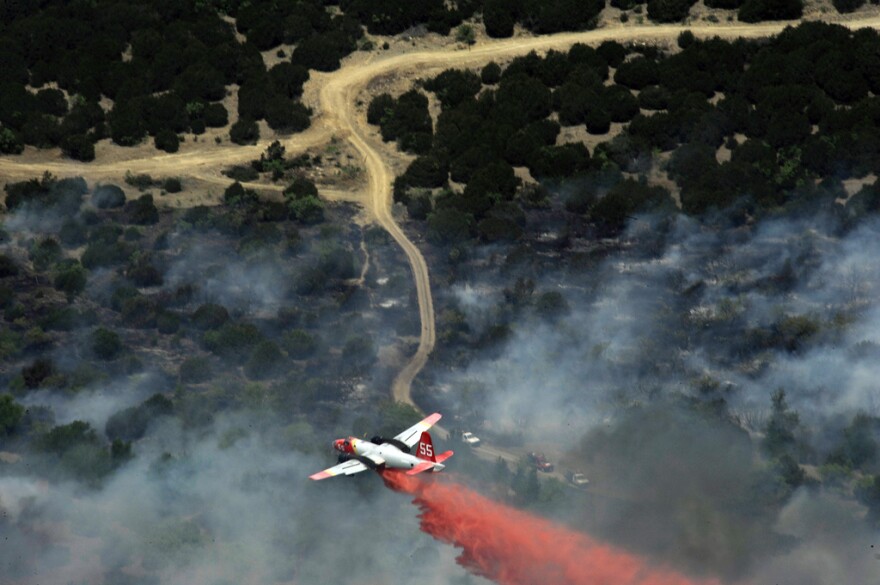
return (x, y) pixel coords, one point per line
(359, 455)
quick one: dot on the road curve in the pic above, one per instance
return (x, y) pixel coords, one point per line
(337, 116)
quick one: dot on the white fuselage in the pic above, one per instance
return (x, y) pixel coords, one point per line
(394, 458)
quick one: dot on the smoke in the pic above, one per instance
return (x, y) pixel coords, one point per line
(513, 547)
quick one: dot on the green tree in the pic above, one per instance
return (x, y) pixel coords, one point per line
(299, 343)
(10, 414)
(167, 140)
(244, 131)
(779, 437)
(264, 362)
(106, 344)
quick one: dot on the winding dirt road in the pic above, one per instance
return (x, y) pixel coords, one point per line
(338, 115)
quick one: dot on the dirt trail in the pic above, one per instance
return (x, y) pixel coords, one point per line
(338, 116)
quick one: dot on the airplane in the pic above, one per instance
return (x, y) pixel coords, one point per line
(378, 453)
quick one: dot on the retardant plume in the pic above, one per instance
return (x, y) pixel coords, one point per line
(512, 547)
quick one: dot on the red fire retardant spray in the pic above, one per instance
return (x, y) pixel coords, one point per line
(513, 547)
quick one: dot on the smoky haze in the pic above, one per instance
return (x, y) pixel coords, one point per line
(657, 383)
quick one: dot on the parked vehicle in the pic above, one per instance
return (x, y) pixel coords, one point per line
(470, 438)
(577, 478)
(540, 462)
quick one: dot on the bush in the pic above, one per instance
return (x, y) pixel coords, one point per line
(210, 316)
(299, 344)
(108, 197)
(138, 313)
(215, 115)
(131, 423)
(8, 266)
(106, 344)
(10, 415)
(758, 10)
(142, 211)
(78, 147)
(172, 185)
(491, 73)
(264, 361)
(167, 140)
(71, 279)
(35, 374)
(72, 233)
(195, 370)
(244, 131)
(167, 323)
(232, 340)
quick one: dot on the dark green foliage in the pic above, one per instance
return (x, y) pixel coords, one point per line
(245, 131)
(78, 147)
(138, 312)
(142, 211)
(78, 451)
(71, 279)
(167, 322)
(498, 16)
(858, 447)
(779, 437)
(637, 73)
(627, 198)
(102, 253)
(167, 140)
(490, 74)
(453, 86)
(299, 344)
(108, 197)
(210, 316)
(405, 120)
(758, 10)
(10, 415)
(308, 209)
(106, 344)
(39, 371)
(195, 370)
(63, 195)
(265, 361)
(846, 6)
(426, 171)
(284, 115)
(358, 352)
(380, 106)
(45, 253)
(669, 10)
(232, 340)
(10, 143)
(215, 116)
(449, 226)
(8, 266)
(172, 185)
(561, 161)
(131, 424)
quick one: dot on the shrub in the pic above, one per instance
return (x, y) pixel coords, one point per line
(78, 147)
(167, 323)
(232, 340)
(72, 233)
(491, 73)
(8, 266)
(167, 140)
(210, 316)
(10, 414)
(264, 361)
(106, 344)
(108, 197)
(142, 211)
(71, 279)
(172, 185)
(244, 131)
(195, 370)
(299, 344)
(35, 374)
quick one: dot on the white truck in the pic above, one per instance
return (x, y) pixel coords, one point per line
(470, 438)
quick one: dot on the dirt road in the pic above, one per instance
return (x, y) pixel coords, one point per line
(338, 115)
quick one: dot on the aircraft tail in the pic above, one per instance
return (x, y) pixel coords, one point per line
(425, 452)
